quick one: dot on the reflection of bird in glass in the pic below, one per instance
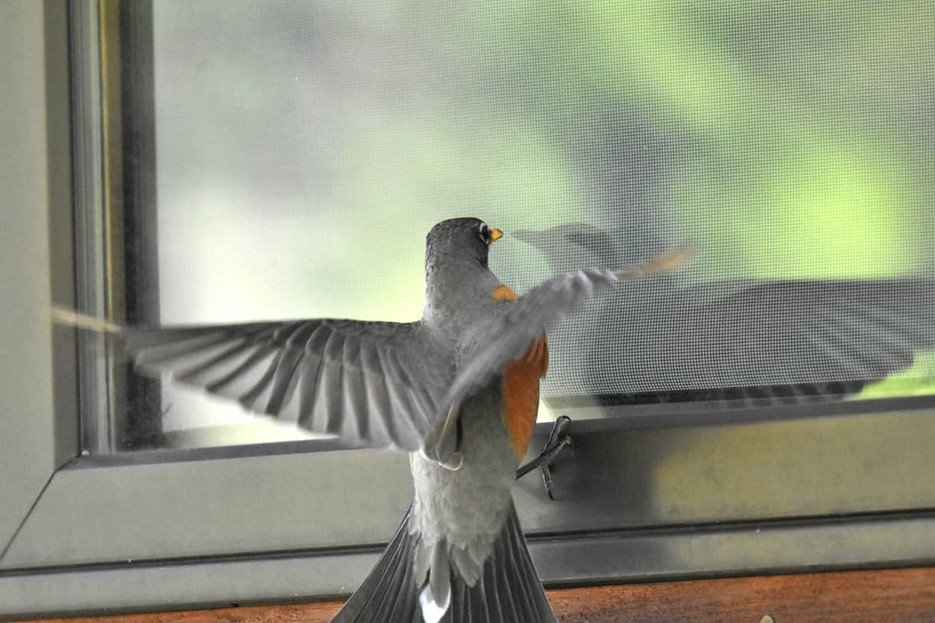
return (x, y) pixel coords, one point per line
(765, 341)
(459, 389)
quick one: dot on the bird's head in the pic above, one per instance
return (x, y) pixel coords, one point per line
(460, 239)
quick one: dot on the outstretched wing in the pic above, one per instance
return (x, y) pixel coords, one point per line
(800, 332)
(522, 321)
(762, 341)
(730, 339)
(376, 384)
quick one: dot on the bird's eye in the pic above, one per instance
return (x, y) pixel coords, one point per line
(484, 232)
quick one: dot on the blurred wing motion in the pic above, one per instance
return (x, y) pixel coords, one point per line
(524, 320)
(763, 340)
(372, 383)
(794, 332)
(780, 341)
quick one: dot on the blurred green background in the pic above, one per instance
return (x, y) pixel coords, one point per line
(305, 148)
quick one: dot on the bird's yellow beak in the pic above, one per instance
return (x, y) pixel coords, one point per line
(495, 234)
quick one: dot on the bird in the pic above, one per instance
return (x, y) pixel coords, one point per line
(457, 389)
(735, 342)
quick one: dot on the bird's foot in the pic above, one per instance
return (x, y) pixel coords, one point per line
(558, 439)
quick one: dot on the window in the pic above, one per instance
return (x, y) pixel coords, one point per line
(239, 161)
(286, 161)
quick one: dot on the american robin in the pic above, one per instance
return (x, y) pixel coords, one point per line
(458, 389)
(744, 341)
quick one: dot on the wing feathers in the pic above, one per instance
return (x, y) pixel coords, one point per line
(284, 382)
(355, 393)
(175, 354)
(408, 422)
(313, 362)
(376, 396)
(327, 413)
(522, 322)
(330, 376)
(373, 383)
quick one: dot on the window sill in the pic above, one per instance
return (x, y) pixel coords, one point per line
(884, 595)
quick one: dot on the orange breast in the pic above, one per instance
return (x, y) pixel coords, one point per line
(521, 386)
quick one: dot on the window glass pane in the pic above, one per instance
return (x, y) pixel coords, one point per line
(304, 149)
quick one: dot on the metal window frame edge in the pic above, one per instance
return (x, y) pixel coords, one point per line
(39, 428)
(288, 537)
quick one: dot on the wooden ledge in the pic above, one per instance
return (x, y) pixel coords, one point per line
(892, 595)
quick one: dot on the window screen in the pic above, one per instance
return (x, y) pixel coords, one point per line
(304, 149)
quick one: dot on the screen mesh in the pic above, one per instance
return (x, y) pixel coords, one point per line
(305, 149)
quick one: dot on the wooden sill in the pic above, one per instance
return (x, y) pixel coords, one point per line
(892, 595)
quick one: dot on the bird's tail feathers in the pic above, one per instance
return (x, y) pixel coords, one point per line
(390, 591)
(507, 589)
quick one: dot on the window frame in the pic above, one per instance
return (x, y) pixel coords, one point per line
(641, 497)
(38, 430)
